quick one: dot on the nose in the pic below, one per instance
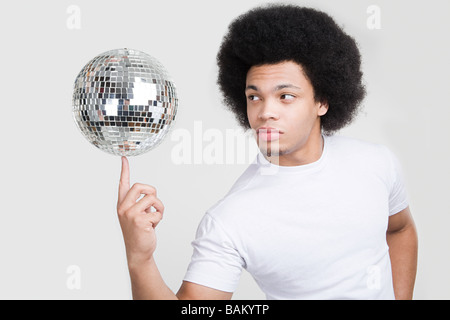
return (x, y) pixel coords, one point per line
(268, 112)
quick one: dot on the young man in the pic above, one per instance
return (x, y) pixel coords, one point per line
(332, 220)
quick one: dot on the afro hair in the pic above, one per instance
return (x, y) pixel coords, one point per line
(271, 34)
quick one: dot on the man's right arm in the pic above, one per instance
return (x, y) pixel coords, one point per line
(147, 284)
(138, 223)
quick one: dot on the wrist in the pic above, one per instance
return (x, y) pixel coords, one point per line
(139, 262)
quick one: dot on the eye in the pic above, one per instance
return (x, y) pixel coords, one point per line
(287, 96)
(253, 98)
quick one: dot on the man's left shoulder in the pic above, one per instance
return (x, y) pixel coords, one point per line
(355, 146)
(360, 154)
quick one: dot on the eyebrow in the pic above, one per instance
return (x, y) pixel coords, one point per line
(251, 87)
(277, 88)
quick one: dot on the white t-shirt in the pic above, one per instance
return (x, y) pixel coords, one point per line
(316, 231)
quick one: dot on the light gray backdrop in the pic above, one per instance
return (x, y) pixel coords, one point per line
(59, 234)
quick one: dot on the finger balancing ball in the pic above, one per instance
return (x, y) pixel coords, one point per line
(124, 102)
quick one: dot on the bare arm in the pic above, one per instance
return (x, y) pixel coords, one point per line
(138, 222)
(147, 284)
(403, 245)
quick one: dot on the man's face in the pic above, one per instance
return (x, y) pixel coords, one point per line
(282, 110)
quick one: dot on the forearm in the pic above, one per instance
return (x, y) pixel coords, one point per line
(403, 246)
(147, 283)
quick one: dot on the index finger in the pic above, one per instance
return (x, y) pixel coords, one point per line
(124, 184)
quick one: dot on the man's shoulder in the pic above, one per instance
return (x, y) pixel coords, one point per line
(351, 142)
(363, 157)
(349, 146)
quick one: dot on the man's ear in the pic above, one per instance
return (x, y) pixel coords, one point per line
(323, 108)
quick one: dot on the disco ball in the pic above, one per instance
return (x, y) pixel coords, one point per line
(124, 102)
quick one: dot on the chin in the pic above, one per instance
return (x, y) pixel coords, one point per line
(272, 152)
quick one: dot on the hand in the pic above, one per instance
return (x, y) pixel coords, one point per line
(136, 217)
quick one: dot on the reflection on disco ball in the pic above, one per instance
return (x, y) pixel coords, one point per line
(124, 102)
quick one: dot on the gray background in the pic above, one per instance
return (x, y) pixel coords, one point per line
(58, 192)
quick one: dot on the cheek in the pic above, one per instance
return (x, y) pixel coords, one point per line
(301, 114)
(300, 119)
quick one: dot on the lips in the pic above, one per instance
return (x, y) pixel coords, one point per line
(268, 133)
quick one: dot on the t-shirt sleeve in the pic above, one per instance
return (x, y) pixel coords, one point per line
(398, 197)
(215, 263)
